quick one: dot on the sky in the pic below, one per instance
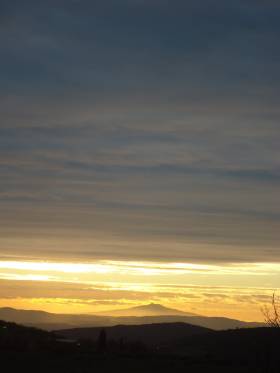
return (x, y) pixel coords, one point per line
(139, 155)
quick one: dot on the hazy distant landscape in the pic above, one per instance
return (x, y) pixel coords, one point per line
(149, 314)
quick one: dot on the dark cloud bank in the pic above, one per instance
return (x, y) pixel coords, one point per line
(127, 124)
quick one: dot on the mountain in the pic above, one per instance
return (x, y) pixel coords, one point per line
(222, 323)
(52, 321)
(149, 334)
(152, 309)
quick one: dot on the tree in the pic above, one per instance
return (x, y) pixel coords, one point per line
(272, 313)
(102, 342)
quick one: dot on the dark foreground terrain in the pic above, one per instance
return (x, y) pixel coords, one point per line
(240, 350)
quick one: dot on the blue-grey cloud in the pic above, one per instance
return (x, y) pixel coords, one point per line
(140, 121)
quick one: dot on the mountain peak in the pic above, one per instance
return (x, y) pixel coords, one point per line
(151, 309)
(154, 305)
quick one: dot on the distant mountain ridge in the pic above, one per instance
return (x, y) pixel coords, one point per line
(152, 309)
(52, 321)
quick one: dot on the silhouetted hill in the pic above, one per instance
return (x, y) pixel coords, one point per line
(222, 323)
(229, 344)
(215, 323)
(152, 309)
(150, 334)
(172, 348)
(18, 337)
(52, 321)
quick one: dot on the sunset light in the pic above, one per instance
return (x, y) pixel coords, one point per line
(139, 186)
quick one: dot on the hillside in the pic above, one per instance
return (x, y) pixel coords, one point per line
(150, 334)
(52, 321)
(231, 344)
(18, 337)
(169, 347)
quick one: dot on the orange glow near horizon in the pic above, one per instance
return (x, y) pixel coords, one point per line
(232, 290)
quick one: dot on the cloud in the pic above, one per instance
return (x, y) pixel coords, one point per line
(244, 303)
(140, 130)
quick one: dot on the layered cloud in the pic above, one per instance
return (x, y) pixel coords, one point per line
(140, 130)
(93, 287)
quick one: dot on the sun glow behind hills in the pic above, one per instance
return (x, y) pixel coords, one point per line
(139, 155)
(210, 289)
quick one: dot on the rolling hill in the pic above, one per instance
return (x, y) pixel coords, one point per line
(149, 334)
(52, 321)
(158, 347)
